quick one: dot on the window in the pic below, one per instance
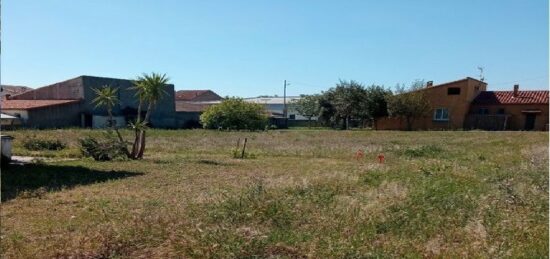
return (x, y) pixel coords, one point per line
(483, 111)
(441, 114)
(501, 111)
(453, 91)
(292, 116)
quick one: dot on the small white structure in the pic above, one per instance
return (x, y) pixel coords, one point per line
(6, 146)
(9, 120)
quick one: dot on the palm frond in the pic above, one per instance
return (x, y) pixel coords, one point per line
(105, 96)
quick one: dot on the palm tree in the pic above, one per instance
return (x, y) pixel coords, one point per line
(149, 89)
(107, 97)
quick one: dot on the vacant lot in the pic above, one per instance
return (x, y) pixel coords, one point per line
(299, 194)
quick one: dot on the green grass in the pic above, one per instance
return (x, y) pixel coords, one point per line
(303, 194)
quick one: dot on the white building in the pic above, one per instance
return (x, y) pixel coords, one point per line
(275, 106)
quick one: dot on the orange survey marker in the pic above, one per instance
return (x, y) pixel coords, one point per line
(359, 154)
(381, 158)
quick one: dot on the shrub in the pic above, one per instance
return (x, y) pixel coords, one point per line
(235, 114)
(106, 149)
(36, 144)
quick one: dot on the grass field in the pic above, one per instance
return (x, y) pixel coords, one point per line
(301, 194)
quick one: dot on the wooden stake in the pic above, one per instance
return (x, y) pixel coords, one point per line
(244, 148)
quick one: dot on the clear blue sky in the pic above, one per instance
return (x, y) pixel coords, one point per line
(247, 48)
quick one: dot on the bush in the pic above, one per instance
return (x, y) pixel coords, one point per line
(235, 114)
(36, 144)
(106, 149)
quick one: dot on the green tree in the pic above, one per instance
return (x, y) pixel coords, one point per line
(348, 99)
(107, 97)
(409, 104)
(307, 106)
(150, 88)
(376, 104)
(234, 114)
(327, 112)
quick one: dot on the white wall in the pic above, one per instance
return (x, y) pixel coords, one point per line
(22, 114)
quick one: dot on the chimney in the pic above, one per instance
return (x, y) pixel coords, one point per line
(429, 83)
(516, 90)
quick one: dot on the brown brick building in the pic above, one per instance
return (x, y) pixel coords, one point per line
(466, 104)
(509, 110)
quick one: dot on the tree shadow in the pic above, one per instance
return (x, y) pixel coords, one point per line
(33, 180)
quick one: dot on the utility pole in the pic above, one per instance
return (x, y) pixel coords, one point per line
(284, 101)
(284, 106)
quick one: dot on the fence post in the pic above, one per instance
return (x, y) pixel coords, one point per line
(244, 148)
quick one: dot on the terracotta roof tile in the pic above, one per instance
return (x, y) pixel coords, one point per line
(188, 95)
(507, 97)
(13, 89)
(31, 104)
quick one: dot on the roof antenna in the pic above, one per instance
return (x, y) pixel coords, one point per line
(481, 78)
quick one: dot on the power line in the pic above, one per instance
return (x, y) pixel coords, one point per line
(308, 85)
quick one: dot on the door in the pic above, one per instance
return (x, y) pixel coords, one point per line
(530, 121)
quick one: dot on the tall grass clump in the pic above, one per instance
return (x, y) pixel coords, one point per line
(37, 144)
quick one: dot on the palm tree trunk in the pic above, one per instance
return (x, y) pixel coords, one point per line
(120, 139)
(136, 130)
(141, 144)
(141, 138)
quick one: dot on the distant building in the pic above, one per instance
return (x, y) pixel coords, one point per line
(275, 106)
(509, 110)
(190, 104)
(70, 103)
(44, 113)
(466, 104)
(197, 96)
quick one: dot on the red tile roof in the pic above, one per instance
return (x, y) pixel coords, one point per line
(507, 97)
(188, 95)
(31, 104)
(13, 89)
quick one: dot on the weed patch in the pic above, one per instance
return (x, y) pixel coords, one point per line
(37, 144)
(423, 151)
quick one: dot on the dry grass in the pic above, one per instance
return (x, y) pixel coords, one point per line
(440, 194)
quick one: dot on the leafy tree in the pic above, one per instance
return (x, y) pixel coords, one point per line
(235, 114)
(308, 106)
(327, 112)
(376, 104)
(348, 99)
(409, 104)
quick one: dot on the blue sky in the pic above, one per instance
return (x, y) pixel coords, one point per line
(247, 48)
